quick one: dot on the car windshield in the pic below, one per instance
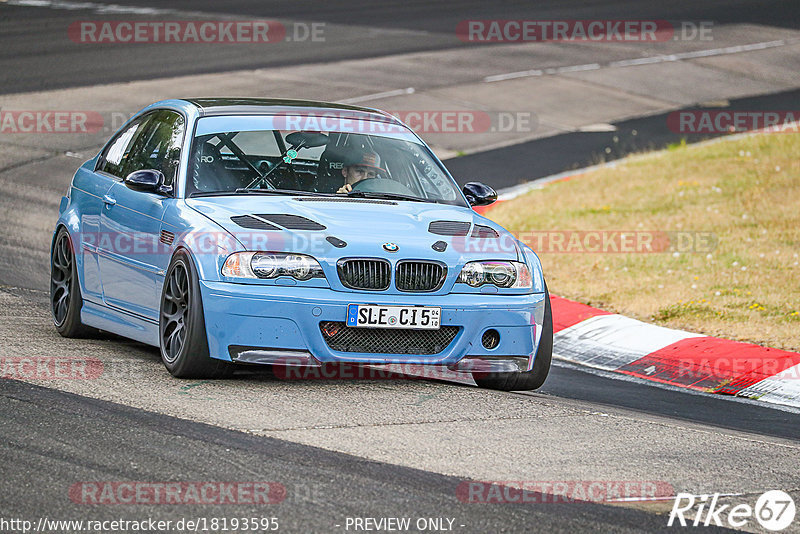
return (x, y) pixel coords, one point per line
(335, 156)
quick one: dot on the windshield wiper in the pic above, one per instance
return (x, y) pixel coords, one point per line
(385, 196)
(257, 191)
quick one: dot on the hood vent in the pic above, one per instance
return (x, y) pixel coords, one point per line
(291, 222)
(484, 232)
(253, 223)
(345, 199)
(454, 228)
(336, 242)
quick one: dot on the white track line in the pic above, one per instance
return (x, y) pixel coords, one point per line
(541, 72)
(378, 96)
(96, 7)
(646, 60)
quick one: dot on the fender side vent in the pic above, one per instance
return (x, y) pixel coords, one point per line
(167, 237)
(484, 232)
(253, 223)
(291, 222)
(454, 228)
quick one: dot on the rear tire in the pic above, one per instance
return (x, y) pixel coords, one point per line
(182, 326)
(528, 380)
(65, 289)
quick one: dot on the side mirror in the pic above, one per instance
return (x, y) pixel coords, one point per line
(149, 181)
(479, 194)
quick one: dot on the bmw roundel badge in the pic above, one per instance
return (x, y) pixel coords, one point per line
(390, 247)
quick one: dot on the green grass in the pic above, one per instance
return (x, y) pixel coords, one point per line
(744, 193)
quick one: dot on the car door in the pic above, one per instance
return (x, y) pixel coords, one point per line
(90, 189)
(132, 269)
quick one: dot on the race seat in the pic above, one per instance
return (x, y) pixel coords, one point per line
(329, 171)
(210, 173)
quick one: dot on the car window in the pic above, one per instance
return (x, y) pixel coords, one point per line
(116, 155)
(159, 147)
(226, 159)
(258, 143)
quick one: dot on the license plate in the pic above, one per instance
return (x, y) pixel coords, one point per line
(418, 317)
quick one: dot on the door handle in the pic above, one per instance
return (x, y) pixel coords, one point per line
(109, 201)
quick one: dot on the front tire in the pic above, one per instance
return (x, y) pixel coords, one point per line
(534, 378)
(181, 325)
(65, 289)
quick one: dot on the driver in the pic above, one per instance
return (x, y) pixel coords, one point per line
(364, 166)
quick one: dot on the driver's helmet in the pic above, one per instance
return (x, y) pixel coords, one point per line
(365, 159)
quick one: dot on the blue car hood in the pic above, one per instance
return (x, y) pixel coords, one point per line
(365, 226)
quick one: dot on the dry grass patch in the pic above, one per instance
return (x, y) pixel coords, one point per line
(746, 192)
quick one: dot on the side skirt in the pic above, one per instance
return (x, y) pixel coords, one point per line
(120, 322)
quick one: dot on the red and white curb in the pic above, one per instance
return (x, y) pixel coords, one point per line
(598, 339)
(611, 342)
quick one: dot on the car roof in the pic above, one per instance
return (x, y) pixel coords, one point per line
(210, 107)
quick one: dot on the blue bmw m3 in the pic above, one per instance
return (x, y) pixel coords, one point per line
(284, 232)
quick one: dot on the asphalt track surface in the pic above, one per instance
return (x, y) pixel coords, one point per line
(323, 488)
(36, 54)
(50, 439)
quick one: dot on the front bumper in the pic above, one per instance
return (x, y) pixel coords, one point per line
(273, 324)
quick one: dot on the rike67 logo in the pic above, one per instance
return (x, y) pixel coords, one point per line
(774, 511)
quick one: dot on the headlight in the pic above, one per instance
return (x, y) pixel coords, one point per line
(271, 265)
(506, 274)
